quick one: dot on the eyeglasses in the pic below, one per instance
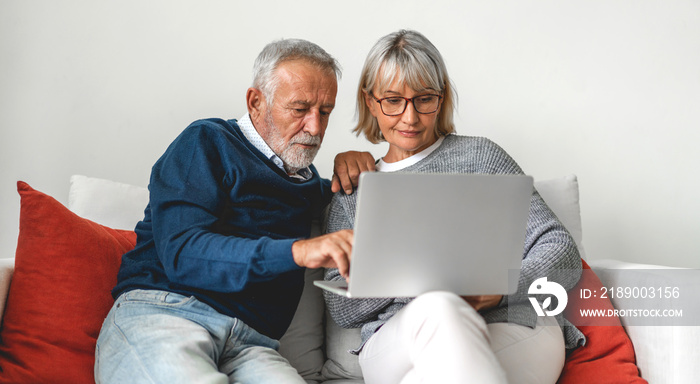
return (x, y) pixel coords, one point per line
(396, 105)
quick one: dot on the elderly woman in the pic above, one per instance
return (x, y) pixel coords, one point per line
(405, 98)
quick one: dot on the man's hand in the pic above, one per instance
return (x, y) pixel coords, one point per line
(483, 302)
(328, 251)
(347, 167)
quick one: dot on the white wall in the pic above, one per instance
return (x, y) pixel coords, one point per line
(606, 89)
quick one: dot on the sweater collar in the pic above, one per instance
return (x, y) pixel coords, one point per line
(250, 133)
(407, 162)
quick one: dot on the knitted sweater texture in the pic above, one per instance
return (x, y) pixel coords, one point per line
(549, 250)
(220, 224)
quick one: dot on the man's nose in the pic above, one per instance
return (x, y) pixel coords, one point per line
(313, 124)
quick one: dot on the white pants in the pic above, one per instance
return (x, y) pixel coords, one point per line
(439, 338)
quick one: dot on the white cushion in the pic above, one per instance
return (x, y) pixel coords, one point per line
(341, 364)
(7, 268)
(110, 203)
(302, 344)
(562, 196)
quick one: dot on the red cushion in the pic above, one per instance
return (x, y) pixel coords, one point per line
(65, 268)
(608, 356)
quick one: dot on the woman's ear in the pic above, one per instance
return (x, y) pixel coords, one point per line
(371, 104)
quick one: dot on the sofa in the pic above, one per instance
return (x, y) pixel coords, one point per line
(55, 292)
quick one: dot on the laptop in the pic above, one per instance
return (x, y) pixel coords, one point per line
(416, 233)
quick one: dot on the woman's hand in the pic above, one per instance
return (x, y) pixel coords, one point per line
(347, 167)
(483, 301)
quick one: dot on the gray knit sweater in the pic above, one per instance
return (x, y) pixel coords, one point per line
(549, 248)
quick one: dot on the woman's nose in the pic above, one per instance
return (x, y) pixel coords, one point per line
(410, 115)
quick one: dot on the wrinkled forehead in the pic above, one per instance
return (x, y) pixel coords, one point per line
(410, 73)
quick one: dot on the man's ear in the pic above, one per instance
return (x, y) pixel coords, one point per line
(255, 102)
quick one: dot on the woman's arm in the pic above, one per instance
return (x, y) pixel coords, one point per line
(549, 249)
(347, 313)
(351, 313)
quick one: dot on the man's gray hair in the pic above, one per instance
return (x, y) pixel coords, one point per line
(277, 52)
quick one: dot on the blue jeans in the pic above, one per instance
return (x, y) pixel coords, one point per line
(161, 337)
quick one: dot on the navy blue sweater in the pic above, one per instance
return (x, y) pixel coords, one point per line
(220, 226)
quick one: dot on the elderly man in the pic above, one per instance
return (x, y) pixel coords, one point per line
(217, 271)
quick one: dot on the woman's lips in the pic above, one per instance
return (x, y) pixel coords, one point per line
(409, 133)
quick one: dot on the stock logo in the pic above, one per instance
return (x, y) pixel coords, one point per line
(543, 287)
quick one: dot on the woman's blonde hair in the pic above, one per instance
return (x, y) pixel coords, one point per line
(407, 57)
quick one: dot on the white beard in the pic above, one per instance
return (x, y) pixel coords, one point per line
(293, 156)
